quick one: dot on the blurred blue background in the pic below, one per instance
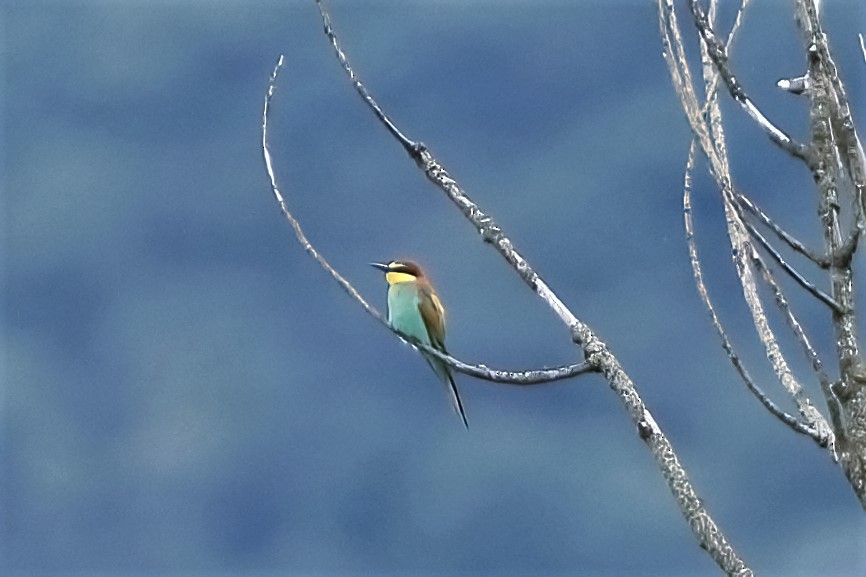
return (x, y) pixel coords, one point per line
(184, 391)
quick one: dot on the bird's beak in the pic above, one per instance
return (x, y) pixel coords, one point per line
(380, 266)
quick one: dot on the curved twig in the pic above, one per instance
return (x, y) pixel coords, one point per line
(299, 233)
(527, 377)
(697, 272)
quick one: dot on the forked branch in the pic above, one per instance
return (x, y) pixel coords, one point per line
(705, 529)
(526, 377)
(708, 129)
(792, 272)
(718, 52)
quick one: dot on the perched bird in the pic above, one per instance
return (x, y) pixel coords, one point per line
(415, 310)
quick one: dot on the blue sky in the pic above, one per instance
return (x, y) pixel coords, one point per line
(186, 393)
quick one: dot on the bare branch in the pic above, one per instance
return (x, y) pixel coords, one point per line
(707, 532)
(826, 171)
(708, 129)
(719, 54)
(744, 255)
(838, 161)
(742, 200)
(527, 377)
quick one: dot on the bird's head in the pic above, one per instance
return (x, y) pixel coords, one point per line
(398, 271)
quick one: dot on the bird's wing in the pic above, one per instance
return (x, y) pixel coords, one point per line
(433, 315)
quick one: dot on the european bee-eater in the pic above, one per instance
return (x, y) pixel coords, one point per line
(415, 310)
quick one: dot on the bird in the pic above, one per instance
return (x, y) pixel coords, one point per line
(415, 310)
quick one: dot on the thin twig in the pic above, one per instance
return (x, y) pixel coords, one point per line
(358, 85)
(299, 233)
(792, 272)
(527, 377)
(530, 377)
(745, 202)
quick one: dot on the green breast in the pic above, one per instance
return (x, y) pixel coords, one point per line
(403, 313)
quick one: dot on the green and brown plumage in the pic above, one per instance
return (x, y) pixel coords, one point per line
(415, 310)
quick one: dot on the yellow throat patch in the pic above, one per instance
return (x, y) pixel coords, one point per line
(398, 277)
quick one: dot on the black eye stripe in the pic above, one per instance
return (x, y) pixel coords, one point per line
(405, 267)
